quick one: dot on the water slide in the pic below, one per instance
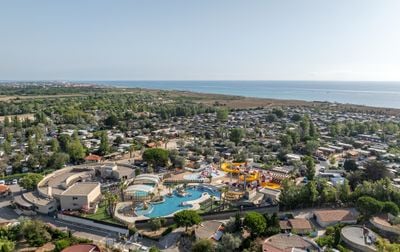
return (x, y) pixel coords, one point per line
(231, 167)
(250, 177)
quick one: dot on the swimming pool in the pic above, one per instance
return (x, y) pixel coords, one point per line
(173, 204)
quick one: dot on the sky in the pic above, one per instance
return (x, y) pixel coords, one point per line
(200, 40)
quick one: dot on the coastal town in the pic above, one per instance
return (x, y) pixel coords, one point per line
(91, 168)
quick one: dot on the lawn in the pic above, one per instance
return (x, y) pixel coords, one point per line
(101, 215)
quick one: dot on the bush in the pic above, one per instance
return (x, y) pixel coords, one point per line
(61, 244)
(390, 207)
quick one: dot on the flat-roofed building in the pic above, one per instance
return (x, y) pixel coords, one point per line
(83, 195)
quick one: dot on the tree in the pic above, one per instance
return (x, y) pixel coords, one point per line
(54, 145)
(155, 224)
(32, 146)
(6, 245)
(30, 181)
(255, 222)
(236, 135)
(390, 207)
(35, 232)
(75, 150)
(368, 206)
(344, 191)
(222, 114)
(7, 147)
(311, 146)
(111, 202)
(350, 165)
(310, 165)
(58, 160)
(376, 170)
(111, 121)
(104, 147)
(156, 157)
(187, 218)
(229, 242)
(203, 245)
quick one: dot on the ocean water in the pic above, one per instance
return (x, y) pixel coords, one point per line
(377, 94)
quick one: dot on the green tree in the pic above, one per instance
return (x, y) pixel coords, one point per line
(104, 147)
(187, 218)
(311, 146)
(155, 224)
(35, 232)
(30, 181)
(310, 165)
(76, 151)
(350, 165)
(376, 170)
(255, 222)
(229, 242)
(203, 245)
(236, 135)
(7, 147)
(156, 157)
(6, 245)
(54, 145)
(368, 206)
(58, 160)
(390, 207)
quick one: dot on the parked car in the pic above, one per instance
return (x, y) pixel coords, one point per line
(15, 182)
(2, 182)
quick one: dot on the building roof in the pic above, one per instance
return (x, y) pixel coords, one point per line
(3, 188)
(335, 215)
(300, 223)
(82, 248)
(93, 157)
(287, 242)
(81, 189)
(207, 229)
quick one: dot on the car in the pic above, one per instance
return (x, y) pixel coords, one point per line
(15, 182)
(2, 182)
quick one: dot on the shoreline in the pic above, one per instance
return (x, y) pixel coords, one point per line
(212, 99)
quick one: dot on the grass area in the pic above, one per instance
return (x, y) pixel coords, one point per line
(101, 215)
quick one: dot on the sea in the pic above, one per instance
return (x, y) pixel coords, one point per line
(376, 94)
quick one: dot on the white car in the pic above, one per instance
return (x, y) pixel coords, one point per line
(15, 182)
(2, 182)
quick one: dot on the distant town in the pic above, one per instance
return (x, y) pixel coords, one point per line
(85, 167)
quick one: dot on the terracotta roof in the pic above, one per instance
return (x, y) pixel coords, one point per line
(335, 215)
(284, 224)
(82, 248)
(93, 157)
(3, 188)
(286, 242)
(300, 223)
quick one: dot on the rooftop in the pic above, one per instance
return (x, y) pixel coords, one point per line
(336, 215)
(81, 188)
(287, 242)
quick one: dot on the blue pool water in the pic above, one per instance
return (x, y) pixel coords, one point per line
(172, 204)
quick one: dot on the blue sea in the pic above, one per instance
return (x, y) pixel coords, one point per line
(377, 94)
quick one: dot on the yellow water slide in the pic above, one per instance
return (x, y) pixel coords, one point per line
(231, 167)
(251, 177)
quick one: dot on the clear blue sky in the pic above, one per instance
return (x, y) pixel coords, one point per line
(200, 40)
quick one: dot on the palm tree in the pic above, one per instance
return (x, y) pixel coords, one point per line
(224, 190)
(212, 202)
(122, 187)
(111, 202)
